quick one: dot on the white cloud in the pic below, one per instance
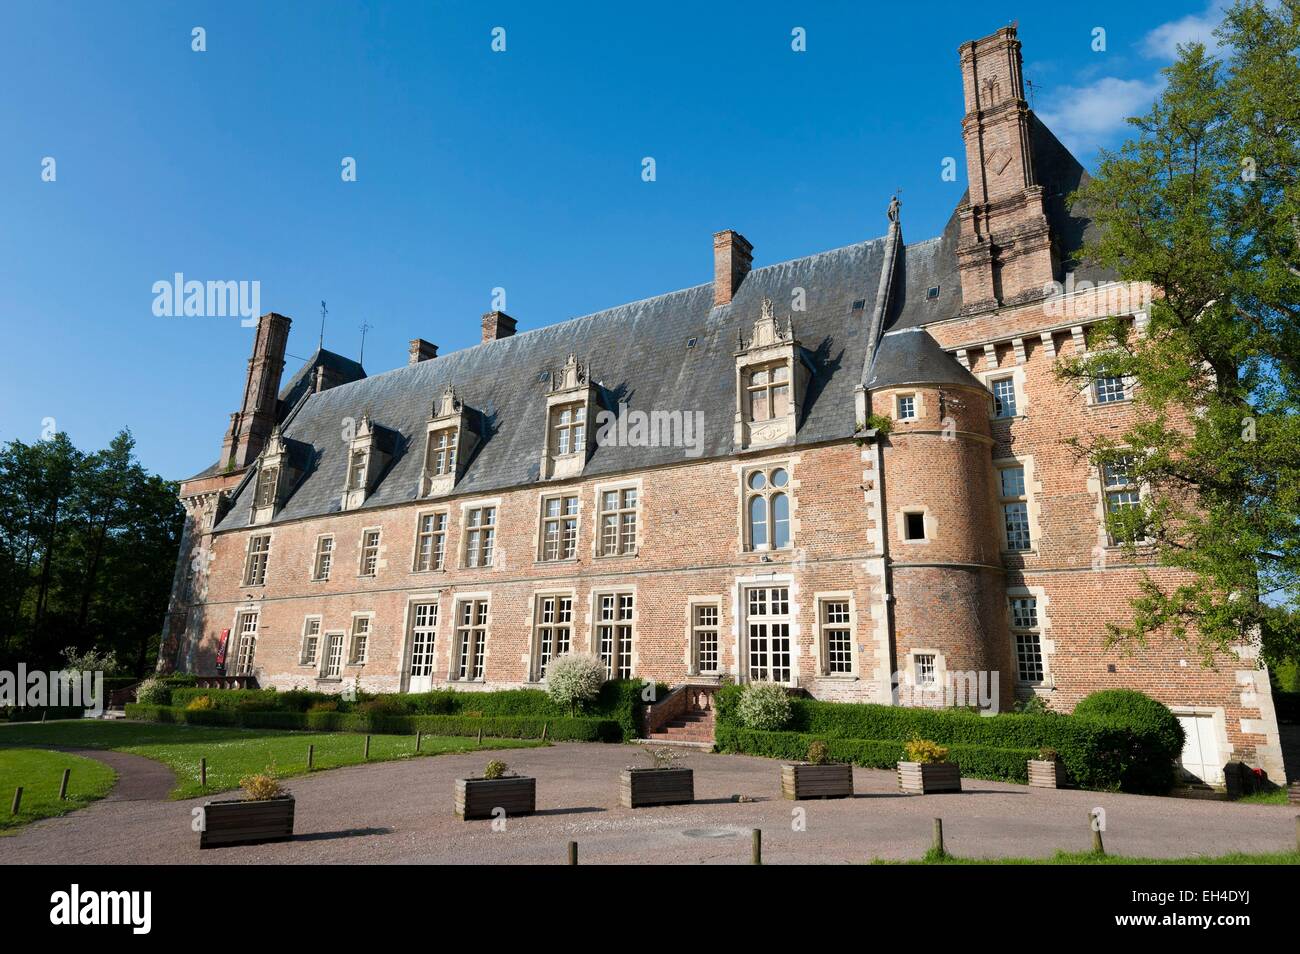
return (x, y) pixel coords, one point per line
(1164, 40)
(1085, 117)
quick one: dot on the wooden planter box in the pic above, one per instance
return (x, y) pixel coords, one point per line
(639, 788)
(477, 797)
(1046, 774)
(804, 780)
(927, 778)
(239, 822)
(1293, 793)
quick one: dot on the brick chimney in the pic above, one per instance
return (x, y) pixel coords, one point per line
(497, 325)
(732, 258)
(421, 350)
(1005, 250)
(251, 425)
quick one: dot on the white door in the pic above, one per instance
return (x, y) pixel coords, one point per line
(424, 627)
(1200, 758)
(768, 634)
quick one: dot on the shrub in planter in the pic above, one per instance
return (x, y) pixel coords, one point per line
(1149, 763)
(662, 783)
(818, 777)
(926, 769)
(265, 813)
(1046, 771)
(573, 680)
(764, 706)
(496, 789)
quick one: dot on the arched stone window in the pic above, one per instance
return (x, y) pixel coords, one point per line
(767, 508)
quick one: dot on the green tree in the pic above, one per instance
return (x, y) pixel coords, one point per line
(1204, 203)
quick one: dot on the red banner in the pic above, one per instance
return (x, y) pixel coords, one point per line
(221, 649)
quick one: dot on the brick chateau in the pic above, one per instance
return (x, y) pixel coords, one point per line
(463, 519)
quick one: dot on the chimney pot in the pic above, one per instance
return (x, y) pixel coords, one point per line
(732, 258)
(421, 350)
(497, 325)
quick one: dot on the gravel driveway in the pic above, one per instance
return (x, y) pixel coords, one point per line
(401, 812)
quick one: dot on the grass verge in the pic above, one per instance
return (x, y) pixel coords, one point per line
(1088, 858)
(40, 773)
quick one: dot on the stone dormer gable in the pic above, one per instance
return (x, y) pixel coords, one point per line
(278, 470)
(771, 381)
(450, 440)
(369, 452)
(570, 408)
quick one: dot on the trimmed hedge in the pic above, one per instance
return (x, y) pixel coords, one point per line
(619, 701)
(1098, 754)
(35, 713)
(1158, 735)
(976, 761)
(560, 728)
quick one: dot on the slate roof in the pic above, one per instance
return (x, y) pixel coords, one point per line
(912, 356)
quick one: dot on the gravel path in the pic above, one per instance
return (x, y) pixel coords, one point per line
(401, 812)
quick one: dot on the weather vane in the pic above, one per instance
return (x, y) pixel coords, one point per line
(365, 326)
(323, 312)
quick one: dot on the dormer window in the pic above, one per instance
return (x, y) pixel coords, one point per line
(357, 471)
(442, 452)
(450, 443)
(278, 467)
(570, 406)
(267, 480)
(771, 378)
(369, 453)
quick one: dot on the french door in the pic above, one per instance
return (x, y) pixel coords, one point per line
(767, 634)
(424, 626)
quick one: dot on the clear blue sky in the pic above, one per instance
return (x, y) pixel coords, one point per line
(475, 169)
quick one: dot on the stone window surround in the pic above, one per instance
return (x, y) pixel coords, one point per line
(909, 670)
(232, 643)
(742, 470)
(315, 558)
(1097, 487)
(462, 543)
(928, 521)
(446, 536)
(1033, 492)
(408, 633)
(539, 531)
(918, 406)
(1220, 727)
(483, 596)
(571, 386)
(822, 649)
(594, 621)
(361, 552)
(1017, 375)
(531, 659)
(768, 345)
(1046, 645)
(269, 536)
(691, 669)
(739, 611)
(350, 655)
(598, 492)
(303, 661)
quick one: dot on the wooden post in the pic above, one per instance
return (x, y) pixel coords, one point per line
(756, 849)
(311, 752)
(1297, 833)
(573, 852)
(367, 747)
(480, 735)
(44, 713)
(937, 847)
(545, 726)
(1093, 822)
(63, 785)
(203, 771)
(417, 740)
(18, 800)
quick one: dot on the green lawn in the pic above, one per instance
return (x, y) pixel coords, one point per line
(40, 774)
(234, 753)
(1275, 797)
(1087, 858)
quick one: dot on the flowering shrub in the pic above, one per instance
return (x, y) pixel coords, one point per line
(925, 751)
(764, 706)
(200, 703)
(495, 769)
(153, 692)
(574, 680)
(260, 787)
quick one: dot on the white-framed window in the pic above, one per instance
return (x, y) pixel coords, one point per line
(1122, 493)
(267, 477)
(705, 657)
(835, 617)
(553, 632)
(259, 553)
(360, 649)
(370, 552)
(247, 649)
(430, 541)
(618, 521)
(767, 390)
(333, 656)
(480, 536)
(924, 669)
(613, 637)
(1004, 396)
(1108, 389)
(471, 640)
(1027, 637)
(559, 527)
(323, 560)
(913, 522)
(310, 641)
(440, 457)
(1015, 507)
(568, 429)
(424, 635)
(767, 508)
(905, 407)
(767, 634)
(357, 470)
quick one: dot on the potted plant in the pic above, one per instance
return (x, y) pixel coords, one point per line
(660, 784)
(818, 777)
(496, 789)
(927, 769)
(1046, 771)
(265, 813)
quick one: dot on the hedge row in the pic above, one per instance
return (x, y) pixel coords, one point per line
(976, 761)
(36, 713)
(1097, 754)
(558, 728)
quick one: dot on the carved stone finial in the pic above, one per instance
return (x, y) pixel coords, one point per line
(574, 374)
(446, 405)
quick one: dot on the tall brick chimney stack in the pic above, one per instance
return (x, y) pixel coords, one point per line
(251, 425)
(421, 350)
(497, 325)
(1005, 250)
(732, 258)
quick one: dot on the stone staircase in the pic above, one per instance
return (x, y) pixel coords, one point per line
(685, 717)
